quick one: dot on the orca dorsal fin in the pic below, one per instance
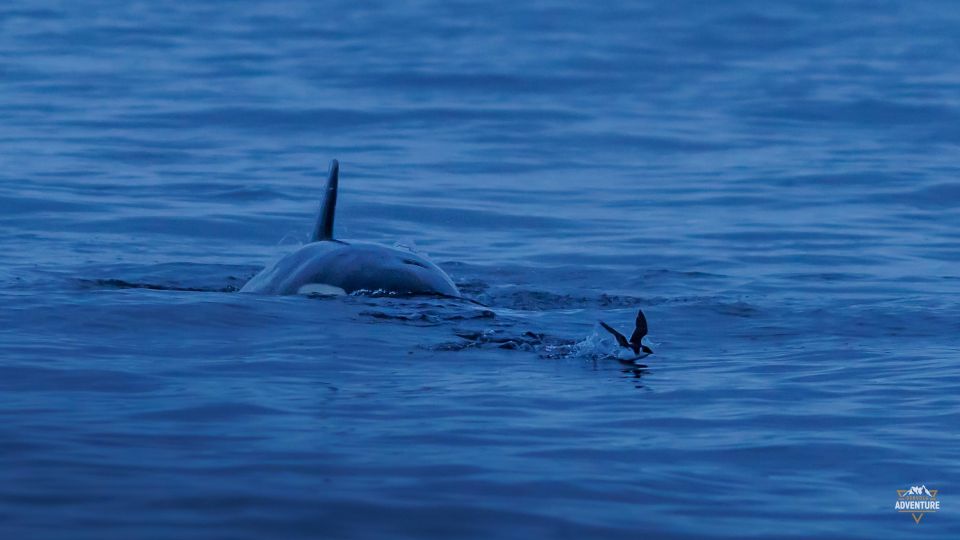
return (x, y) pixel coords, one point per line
(324, 230)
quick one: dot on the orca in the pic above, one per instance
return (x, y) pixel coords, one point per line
(330, 266)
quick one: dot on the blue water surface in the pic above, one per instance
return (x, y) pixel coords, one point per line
(776, 184)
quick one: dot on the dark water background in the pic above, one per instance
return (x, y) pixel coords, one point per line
(776, 184)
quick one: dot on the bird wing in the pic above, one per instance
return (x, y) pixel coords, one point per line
(620, 337)
(641, 329)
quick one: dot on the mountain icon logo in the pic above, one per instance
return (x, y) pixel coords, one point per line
(917, 501)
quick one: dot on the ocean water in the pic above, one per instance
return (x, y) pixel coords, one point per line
(776, 185)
